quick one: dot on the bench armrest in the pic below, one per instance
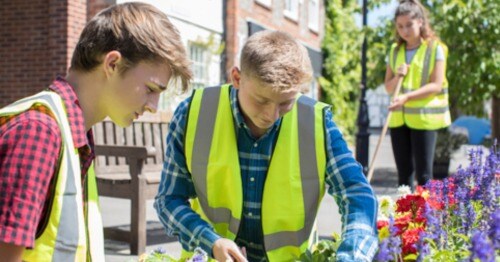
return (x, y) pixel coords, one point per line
(140, 152)
(136, 156)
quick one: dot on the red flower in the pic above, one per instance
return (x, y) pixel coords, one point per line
(410, 203)
(436, 199)
(420, 216)
(451, 191)
(410, 238)
(401, 222)
(436, 203)
(420, 190)
(382, 223)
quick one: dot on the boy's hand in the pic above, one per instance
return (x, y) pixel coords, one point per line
(402, 70)
(225, 250)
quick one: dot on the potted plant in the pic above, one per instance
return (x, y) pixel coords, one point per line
(448, 141)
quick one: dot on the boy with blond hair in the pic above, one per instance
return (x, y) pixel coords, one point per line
(255, 159)
(125, 57)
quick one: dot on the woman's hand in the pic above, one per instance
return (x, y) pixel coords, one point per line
(402, 70)
(225, 250)
(398, 102)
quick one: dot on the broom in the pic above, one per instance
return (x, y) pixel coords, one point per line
(384, 130)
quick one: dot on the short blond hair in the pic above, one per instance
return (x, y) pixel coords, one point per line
(277, 59)
(140, 32)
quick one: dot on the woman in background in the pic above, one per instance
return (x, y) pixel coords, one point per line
(421, 107)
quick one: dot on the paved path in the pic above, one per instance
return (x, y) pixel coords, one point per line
(116, 211)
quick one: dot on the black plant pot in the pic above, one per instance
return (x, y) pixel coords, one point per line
(440, 169)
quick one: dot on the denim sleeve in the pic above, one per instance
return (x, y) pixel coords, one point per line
(176, 188)
(354, 196)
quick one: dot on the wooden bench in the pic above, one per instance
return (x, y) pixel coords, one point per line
(128, 165)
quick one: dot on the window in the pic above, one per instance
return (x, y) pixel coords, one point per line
(265, 2)
(198, 54)
(292, 9)
(313, 89)
(314, 15)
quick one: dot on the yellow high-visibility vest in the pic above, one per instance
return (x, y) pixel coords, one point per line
(428, 113)
(295, 181)
(74, 227)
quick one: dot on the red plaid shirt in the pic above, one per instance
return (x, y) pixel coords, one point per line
(29, 150)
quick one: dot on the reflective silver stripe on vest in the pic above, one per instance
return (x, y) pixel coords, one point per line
(425, 69)
(423, 110)
(395, 56)
(67, 233)
(444, 91)
(201, 152)
(309, 178)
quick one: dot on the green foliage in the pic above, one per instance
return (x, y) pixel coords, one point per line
(156, 257)
(470, 28)
(341, 75)
(323, 251)
(380, 39)
(342, 61)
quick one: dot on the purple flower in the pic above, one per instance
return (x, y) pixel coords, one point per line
(160, 250)
(199, 256)
(494, 232)
(434, 229)
(471, 217)
(393, 230)
(394, 241)
(384, 254)
(422, 247)
(481, 248)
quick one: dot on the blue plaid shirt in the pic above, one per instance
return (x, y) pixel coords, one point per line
(344, 177)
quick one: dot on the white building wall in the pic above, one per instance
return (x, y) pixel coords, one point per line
(378, 100)
(204, 13)
(197, 22)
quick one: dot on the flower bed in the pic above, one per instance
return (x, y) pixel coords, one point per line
(455, 219)
(161, 255)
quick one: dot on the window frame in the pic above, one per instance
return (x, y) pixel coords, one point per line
(198, 54)
(313, 23)
(292, 13)
(266, 3)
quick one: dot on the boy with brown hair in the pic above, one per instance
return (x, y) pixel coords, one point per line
(125, 57)
(255, 159)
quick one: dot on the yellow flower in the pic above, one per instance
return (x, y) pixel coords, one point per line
(425, 194)
(383, 233)
(386, 206)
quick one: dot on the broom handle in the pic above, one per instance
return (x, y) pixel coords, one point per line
(384, 130)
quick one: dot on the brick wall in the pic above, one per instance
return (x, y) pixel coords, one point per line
(272, 17)
(232, 18)
(36, 42)
(94, 6)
